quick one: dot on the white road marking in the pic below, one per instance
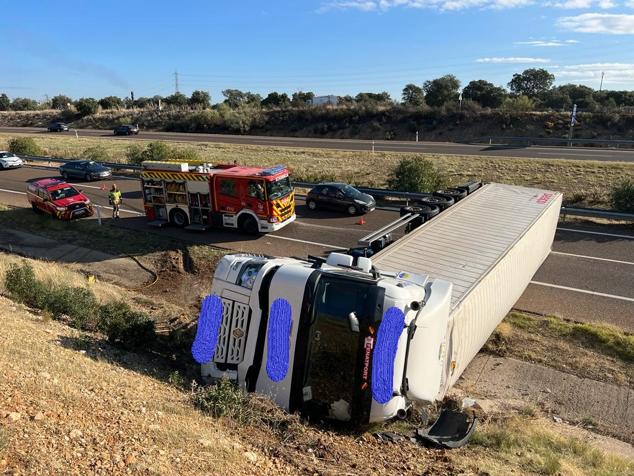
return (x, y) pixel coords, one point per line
(583, 291)
(614, 235)
(79, 185)
(591, 257)
(324, 245)
(12, 191)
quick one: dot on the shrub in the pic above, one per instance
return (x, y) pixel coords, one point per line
(96, 153)
(22, 285)
(623, 196)
(24, 146)
(80, 304)
(159, 151)
(223, 398)
(134, 153)
(86, 106)
(124, 326)
(416, 175)
(184, 155)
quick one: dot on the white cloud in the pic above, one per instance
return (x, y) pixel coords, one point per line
(512, 60)
(384, 5)
(579, 4)
(620, 24)
(615, 73)
(547, 43)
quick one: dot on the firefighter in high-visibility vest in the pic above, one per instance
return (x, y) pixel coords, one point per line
(114, 197)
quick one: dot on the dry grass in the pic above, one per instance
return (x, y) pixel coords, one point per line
(526, 445)
(584, 182)
(79, 414)
(591, 351)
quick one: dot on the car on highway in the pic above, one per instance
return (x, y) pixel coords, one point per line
(340, 196)
(58, 127)
(8, 160)
(85, 169)
(59, 199)
(126, 130)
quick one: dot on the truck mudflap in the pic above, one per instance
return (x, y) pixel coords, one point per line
(452, 429)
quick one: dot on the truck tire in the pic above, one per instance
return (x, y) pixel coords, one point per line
(178, 218)
(426, 211)
(248, 224)
(456, 193)
(440, 202)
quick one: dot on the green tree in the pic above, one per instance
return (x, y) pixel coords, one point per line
(413, 95)
(276, 100)
(111, 102)
(86, 106)
(61, 102)
(177, 99)
(485, 93)
(5, 102)
(234, 98)
(373, 98)
(24, 104)
(302, 98)
(200, 99)
(441, 91)
(518, 104)
(415, 174)
(24, 146)
(531, 82)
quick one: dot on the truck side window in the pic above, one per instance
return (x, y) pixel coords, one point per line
(228, 187)
(256, 190)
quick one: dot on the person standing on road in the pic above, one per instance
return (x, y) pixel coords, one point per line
(114, 197)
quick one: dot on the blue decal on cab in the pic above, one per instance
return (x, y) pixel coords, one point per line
(279, 339)
(384, 354)
(209, 321)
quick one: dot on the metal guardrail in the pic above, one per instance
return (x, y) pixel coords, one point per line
(528, 141)
(376, 192)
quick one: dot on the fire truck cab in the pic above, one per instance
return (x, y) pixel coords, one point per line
(199, 196)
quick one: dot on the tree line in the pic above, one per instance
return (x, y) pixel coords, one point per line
(531, 90)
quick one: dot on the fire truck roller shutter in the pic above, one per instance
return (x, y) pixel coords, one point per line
(198, 187)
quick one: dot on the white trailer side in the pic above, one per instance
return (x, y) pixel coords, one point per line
(489, 245)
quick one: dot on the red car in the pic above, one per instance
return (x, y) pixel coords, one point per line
(59, 199)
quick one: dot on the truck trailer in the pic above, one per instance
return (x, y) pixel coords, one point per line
(360, 339)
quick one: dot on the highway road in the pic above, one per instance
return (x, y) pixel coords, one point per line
(447, 148)
(588, 276)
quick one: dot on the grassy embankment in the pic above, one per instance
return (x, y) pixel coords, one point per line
(583, 182)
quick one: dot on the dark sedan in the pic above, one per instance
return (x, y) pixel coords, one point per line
(85, 169)
(340, 196)
(57, 127)
(126, 130)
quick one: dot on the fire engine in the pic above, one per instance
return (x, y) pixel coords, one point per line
(198, 196)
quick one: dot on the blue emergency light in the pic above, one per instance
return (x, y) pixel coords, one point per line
(276, 169)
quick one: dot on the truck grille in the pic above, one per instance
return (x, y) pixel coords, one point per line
(233, 333)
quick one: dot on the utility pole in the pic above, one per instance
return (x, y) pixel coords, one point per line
(601, 85)
(176, 81)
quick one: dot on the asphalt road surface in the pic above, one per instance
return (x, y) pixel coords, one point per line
(588, 277)
(447, 148)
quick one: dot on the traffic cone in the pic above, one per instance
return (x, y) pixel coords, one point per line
(361, 221)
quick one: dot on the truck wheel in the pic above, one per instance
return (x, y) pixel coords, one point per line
(312, 204)
(440, 202)
(178, 218)
(35, 208)
(248, 225)
(352, 210)
(455, 193)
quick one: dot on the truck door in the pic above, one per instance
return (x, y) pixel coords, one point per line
(228, 195)
(255, 197)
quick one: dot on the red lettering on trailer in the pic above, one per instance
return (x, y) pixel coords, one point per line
(544, 198)
(367, 345)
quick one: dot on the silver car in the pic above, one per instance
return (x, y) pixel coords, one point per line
(9, 160)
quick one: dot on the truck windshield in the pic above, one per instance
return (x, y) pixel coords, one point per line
(331, 374)
(279, 188)
(65, 192)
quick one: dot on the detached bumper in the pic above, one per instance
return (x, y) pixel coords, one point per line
(266, 227)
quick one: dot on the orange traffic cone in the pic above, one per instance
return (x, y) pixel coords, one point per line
(361, 221)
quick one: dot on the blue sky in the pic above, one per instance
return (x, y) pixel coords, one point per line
(94, 48)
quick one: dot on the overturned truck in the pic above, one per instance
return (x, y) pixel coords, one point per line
(360, 339)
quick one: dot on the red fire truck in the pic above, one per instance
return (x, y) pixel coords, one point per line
(199, 196)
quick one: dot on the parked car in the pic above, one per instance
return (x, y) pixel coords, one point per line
(57, 127)
(9, 160)
(126, 130)
(58, 199)
(85, 169)
(340, 196)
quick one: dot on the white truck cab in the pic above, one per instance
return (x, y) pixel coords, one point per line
(335, 359)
